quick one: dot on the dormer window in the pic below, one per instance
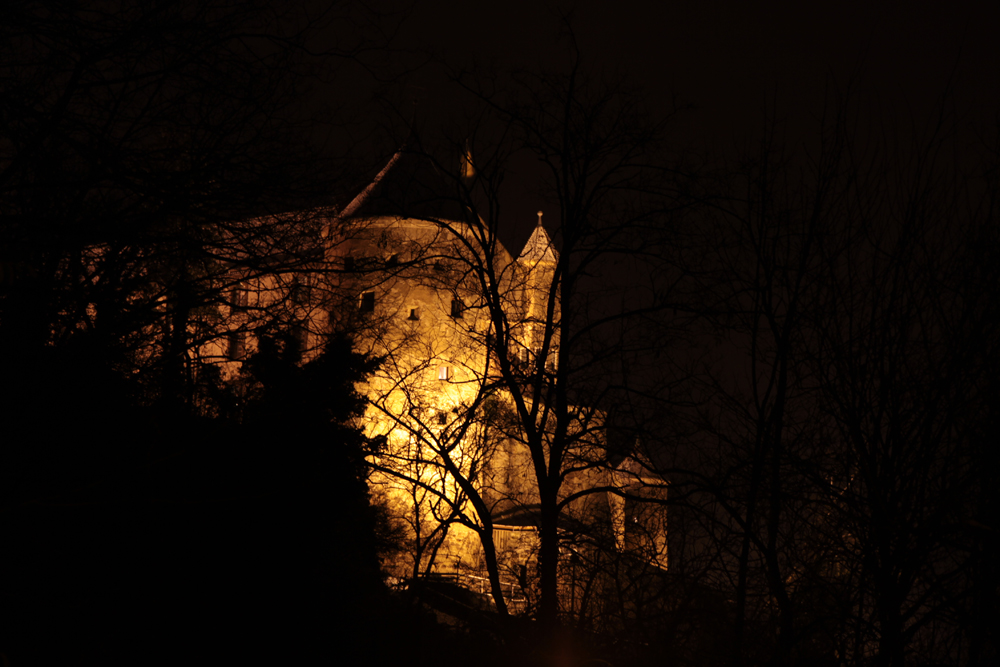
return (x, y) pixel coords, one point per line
(367, 302)
(457, 307)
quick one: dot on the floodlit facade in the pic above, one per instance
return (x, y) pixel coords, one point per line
(409, 281)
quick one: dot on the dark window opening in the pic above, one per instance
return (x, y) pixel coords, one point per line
(392, 261)
(414, 314)
(348, 263)
(293, 341)
(457, 307)
(299, 292)
(236, 345)
(238, 298)
(442, 418)
(368, 302)
(519, 359)
(300, 338)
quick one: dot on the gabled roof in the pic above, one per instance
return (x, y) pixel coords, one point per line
(410, 185)
(539, 247)
(634, 470)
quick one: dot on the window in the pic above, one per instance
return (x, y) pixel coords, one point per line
(239, 297)
(235, 345)
(457, 307)
(348, 263)
(368, 302)
(414, 314)
(392, 261)
(444, 373)
(299, 292)
(442, 417)
(300, 339)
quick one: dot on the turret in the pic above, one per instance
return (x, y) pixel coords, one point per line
(538, 262)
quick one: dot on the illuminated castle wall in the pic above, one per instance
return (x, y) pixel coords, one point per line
(431, 328)
(408, 285)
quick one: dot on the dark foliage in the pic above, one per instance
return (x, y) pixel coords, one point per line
(127, 528)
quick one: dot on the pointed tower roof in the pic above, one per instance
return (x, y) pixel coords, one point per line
(539, 247)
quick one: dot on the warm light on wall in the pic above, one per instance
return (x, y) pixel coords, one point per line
(436, 343)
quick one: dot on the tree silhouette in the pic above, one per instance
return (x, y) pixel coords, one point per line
(837, 431)
(145, 151)
(537, 351)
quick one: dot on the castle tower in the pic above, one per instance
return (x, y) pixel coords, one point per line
(538, 261)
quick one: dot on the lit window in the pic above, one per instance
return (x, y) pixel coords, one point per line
(444, 373)
(457, 307)
(368, 302)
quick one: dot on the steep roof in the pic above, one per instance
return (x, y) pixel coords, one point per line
(636, 470)
(539, 247)
(411, 185)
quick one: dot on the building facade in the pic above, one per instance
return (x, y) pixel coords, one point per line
(455, 319)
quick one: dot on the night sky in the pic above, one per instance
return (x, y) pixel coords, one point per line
(722, 63)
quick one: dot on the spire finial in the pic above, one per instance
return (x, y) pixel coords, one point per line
(539, 218)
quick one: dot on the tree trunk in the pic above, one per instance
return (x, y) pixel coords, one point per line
(549, 560)
(493, 568)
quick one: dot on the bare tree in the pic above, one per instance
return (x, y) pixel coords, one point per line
(759, 421)
(836, 434)
(145, 151)
(899, 357)
(146, 154)
(534, 344)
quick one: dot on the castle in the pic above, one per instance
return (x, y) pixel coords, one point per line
(455, 319)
